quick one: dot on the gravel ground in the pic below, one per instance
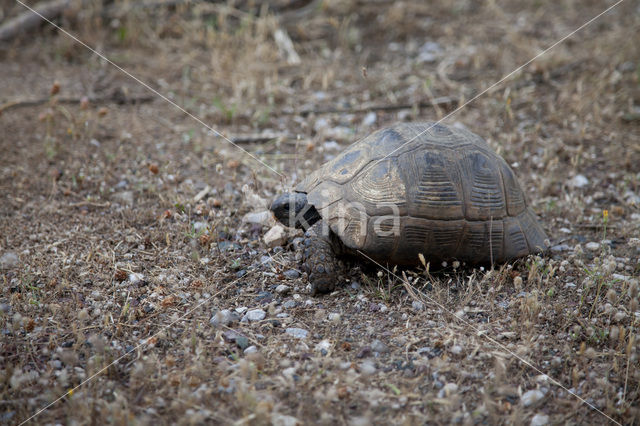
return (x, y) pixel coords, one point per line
(142, 280)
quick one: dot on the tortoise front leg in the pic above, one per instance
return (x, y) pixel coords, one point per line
(320, 260)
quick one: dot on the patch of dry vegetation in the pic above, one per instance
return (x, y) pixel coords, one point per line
(122, 234)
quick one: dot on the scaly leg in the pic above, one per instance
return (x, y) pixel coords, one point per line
(320, 260)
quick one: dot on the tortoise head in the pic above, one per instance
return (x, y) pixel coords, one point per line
(292, 209)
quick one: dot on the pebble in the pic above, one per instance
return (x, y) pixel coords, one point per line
(255, 315)
(456, 350)
(283, 289)
(241, 310)
(290, 304)
(136, 278)
(9, 260)
(331, 145)
(334, 317)
(298, 333)
(417, 305)
(259, 218)
(369, 119)
(292, 274)
(223, 317)
(228, 246)
(367, 368)
(276, 236)
(251, 349)
(592, 246)
(242, 342)
(579, 181)
(124, 197)
(540, 419)
(447, 390)
(379, 347)
(531, 397)
(561, 248)
(323, 346)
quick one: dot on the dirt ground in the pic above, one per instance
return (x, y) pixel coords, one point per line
(136, 285)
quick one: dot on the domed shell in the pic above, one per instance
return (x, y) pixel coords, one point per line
(424, 188)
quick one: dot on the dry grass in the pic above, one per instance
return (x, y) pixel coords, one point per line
(116, 252)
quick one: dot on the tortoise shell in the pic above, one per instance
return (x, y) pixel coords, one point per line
(425, 188)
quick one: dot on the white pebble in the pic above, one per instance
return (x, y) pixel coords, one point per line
(367, 368)
(276, 236)
(592, 245)
(251, 350)
(255, 315)
(9, 260)
(579, 181)
(531, 397)
(282, 289)
(334, 317)
(447, 390)
(298, 333)
(540, 419)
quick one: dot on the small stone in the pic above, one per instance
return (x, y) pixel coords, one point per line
(242, 342)
(241, 310)
(259, 218)
(456, 350)
(292, 274)
(290, 304)
(579, 181)
(251, 350)
(9, 260)
(124, 197)
(276, 236)
(593, 246)
(323, 345)
(334, 317)
(255, 315)
(417, 305)
(448, 390)
(283, 289)
(369, 119)
(561, 248)
(331, 146)
(379, 347)
(367, 367)
(298, 333)
(540, 419)
(223, 318)
(136, 278)
(531, 397)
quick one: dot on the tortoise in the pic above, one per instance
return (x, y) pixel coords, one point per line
(406, 190)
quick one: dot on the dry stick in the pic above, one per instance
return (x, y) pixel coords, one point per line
(28, 20)
(22, 103)
(444, 102)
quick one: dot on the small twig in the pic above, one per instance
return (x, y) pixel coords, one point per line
(259, 137)
(444, 102)
(29, 20)
(114, 98)
(90, 203)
